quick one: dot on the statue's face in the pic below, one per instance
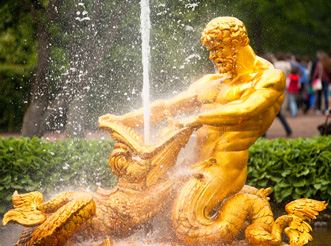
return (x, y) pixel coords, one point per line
(222, 55)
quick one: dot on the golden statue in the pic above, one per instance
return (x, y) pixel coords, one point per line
(231, 109)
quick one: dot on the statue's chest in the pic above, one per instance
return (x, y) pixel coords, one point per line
(231, 92)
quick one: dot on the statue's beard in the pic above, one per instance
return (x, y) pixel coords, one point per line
(226, 64)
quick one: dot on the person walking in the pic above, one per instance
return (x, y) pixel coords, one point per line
(294, 91)
(321, 74)
(285, 67)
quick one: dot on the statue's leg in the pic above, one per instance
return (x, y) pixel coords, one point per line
(196, 217)
(219, 179)
(223, 175)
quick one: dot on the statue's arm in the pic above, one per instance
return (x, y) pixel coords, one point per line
(183, 103)
(200, 92)
(136, 118)
(160, 109)
(267, 90)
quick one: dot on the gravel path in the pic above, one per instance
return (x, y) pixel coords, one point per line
(304, 126)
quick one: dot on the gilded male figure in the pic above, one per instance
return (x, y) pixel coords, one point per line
(235, 107)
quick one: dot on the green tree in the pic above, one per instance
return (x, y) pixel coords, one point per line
(42, 13)
(18, 50)
(90, 29)
(85, 41)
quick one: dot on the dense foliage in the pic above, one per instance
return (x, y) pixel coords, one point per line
(294, 168)
(34, 164)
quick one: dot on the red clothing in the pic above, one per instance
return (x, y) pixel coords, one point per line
(294, 86)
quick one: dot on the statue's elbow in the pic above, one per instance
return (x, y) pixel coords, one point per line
(282, 81)
(279, 80)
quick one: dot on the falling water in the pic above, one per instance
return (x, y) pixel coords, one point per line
(145, 30)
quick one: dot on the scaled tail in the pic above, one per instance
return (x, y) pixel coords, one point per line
(302, 210)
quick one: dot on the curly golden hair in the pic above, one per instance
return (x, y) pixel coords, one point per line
(228, 30)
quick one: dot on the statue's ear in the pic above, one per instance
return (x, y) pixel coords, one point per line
(235, 43)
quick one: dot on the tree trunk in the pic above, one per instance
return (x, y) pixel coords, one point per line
(81, 53)
(33, 125)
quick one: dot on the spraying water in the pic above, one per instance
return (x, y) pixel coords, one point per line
(145, 35)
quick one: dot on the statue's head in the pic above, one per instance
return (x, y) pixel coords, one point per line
(223, 37)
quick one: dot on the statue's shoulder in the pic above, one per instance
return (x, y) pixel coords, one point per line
(276, 73)
(268, 69)
(271, 78)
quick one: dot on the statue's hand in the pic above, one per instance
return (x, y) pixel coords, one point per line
(109, 118)
(193, 123)
(177, 124)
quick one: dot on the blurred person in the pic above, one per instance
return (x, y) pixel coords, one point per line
(306, 62)
(294, 91)
(321, 72)
(286, 69)
(291, 59)
(281, 64)
(285, 124)
(303, 95)
(297, 66)
(313, 94)
(307, 92)
(326, 61)
(304, 80)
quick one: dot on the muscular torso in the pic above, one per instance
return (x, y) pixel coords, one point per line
(214, 139)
